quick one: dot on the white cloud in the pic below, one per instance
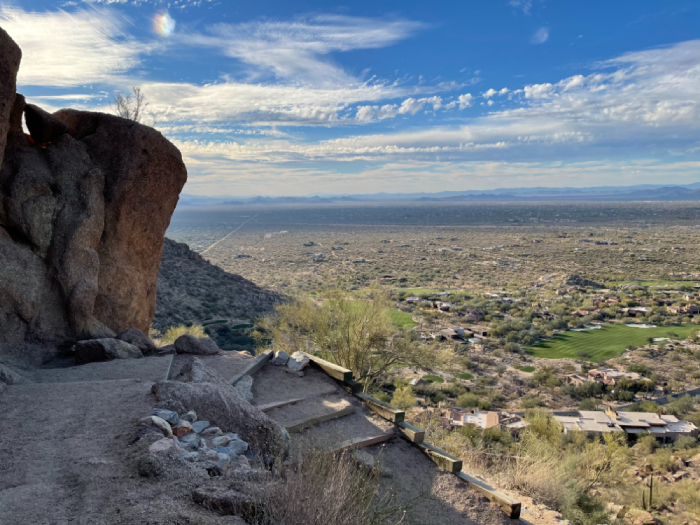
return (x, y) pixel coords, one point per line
(72, 49)
(299, 49)
(525, 5)
(540, 36)
(503, 91)
(491, 92)
(465, 100)
(538, 90)
(490, 103)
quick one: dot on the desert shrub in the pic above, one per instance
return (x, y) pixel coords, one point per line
(174, 332)
(531, 401)
(404, 398)
(685, 443)
(321, 488)
(468, 401)
(588, 404)
(484, 404)
(382, 396)
(647, 444)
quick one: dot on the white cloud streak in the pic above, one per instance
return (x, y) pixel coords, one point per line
(71, 49)
(540, 36)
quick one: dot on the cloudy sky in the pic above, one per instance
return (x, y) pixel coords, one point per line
(273, 97)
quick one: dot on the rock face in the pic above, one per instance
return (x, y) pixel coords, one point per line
(83, 210)
(10, 55)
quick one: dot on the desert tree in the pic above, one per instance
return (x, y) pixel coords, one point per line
(131, 106)
(354, 332)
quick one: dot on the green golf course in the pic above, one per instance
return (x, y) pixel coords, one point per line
(607, 342)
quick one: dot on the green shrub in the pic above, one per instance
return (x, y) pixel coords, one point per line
(588, 404)
(465, 376)
(531, 401)
(468, 401)
(685, 442)
(433, 379)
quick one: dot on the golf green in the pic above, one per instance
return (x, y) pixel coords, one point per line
(607, 342)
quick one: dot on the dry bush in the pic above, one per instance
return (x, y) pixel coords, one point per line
(176, 331)
(323, 488)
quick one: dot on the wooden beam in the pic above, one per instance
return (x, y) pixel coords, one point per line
(333, 370)
(298, 426)
(352, 386)
(385, 410)
(276, 404)
(510, 505)
(355, 443)
(414, 434)
(255, 365)
(441, 458)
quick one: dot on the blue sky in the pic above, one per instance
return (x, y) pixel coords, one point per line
(310, 97)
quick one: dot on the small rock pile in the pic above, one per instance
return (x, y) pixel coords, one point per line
(196, 441)
(296, 362)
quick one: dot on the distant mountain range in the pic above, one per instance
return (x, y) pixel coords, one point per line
(643, 192)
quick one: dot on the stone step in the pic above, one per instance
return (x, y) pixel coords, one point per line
(340, 433)
(274, 384)
(308, 412)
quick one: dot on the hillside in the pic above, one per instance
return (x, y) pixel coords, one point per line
(190, 289)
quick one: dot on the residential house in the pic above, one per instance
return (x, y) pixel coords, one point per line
(610, 376)
(480, 331)
(576, 379)
(665, 428)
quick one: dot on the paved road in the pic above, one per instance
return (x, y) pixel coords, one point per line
(227, 235)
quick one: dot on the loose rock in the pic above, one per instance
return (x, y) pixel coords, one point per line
(191, 416)
(297, 361)
(187, 344)
(159, 423)
(137, 338)
(211, 431)
(182, 428)
(280, 359)
(222, 405)
(103, 350)
(199, 426)
(169, 415)
(162, 445)
(244, 387)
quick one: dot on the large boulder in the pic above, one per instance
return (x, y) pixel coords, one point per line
(222, 405)
(140, 340)
(188, 344)
(10, 56)
(104, 350)
(82, 219)
(42, 125)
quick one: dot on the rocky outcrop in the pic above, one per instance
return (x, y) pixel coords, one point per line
(10, 55)
(220, 403)
(84, 205)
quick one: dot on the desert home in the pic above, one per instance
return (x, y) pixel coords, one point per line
(665, 428)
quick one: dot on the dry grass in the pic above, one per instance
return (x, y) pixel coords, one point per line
(322, 488)
(176, 331)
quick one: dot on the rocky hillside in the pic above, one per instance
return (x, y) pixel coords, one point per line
(190, 289)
